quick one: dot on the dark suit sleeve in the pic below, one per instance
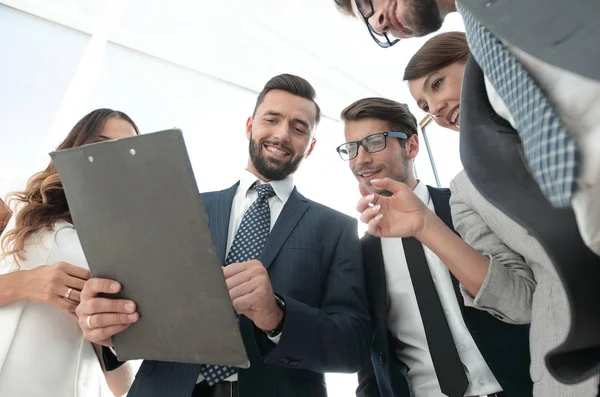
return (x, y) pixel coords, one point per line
(334, 337)
(367, 383)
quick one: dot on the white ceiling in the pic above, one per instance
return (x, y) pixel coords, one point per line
(247, 42)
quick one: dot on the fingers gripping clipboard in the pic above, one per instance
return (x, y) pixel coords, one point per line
(140, 219)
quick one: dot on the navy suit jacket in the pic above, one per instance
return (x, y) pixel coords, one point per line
(313, 257)
(505, 347)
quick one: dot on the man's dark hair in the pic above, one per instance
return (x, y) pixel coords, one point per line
(396, 114)
(292, 84)
(345, 7)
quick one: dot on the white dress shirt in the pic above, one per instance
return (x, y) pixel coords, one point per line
(244, 197)
(405, 324)
(576, 100)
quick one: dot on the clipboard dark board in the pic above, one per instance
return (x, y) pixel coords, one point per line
(140, 219)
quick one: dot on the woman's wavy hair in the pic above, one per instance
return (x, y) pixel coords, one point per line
(43, 202)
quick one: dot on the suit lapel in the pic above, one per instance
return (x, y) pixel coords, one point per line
(375, 271)
(441, 203)
(292, 211)
(219, 212)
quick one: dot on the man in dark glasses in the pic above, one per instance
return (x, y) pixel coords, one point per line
(427, 343)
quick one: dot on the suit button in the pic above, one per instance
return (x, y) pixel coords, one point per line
(382, 358)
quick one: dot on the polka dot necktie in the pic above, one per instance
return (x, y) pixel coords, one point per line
(248, 244)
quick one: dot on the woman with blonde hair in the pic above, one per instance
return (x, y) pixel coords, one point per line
(42, 271)
(521, 294)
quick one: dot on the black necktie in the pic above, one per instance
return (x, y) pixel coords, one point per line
(448, 367)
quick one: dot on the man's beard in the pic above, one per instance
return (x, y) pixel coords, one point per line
(400, 178)
(269, 169)
(422, 16)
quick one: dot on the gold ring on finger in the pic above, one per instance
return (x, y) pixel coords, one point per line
(88, 321)
(68, 294)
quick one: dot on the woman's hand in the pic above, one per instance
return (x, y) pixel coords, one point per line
(402, 214)
(58, 285)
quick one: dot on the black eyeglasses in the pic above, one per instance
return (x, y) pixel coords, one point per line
(366, 9)
(373, 143)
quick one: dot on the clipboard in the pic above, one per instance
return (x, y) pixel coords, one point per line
(140, 219)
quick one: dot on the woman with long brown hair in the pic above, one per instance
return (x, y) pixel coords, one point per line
(434, 76)
(42, 271)
(531, 293)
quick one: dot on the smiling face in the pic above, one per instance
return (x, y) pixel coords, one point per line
(438, 94)
(405, 18)
(395, 161)
(281, 135)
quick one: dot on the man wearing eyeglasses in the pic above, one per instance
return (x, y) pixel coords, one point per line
(388, 21)
(531, 95)
(531, 64)
(427, 343)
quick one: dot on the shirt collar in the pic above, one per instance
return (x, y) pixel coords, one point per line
(422, 192)
(283, 188)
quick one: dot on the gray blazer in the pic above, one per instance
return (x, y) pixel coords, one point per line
(521, 285)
